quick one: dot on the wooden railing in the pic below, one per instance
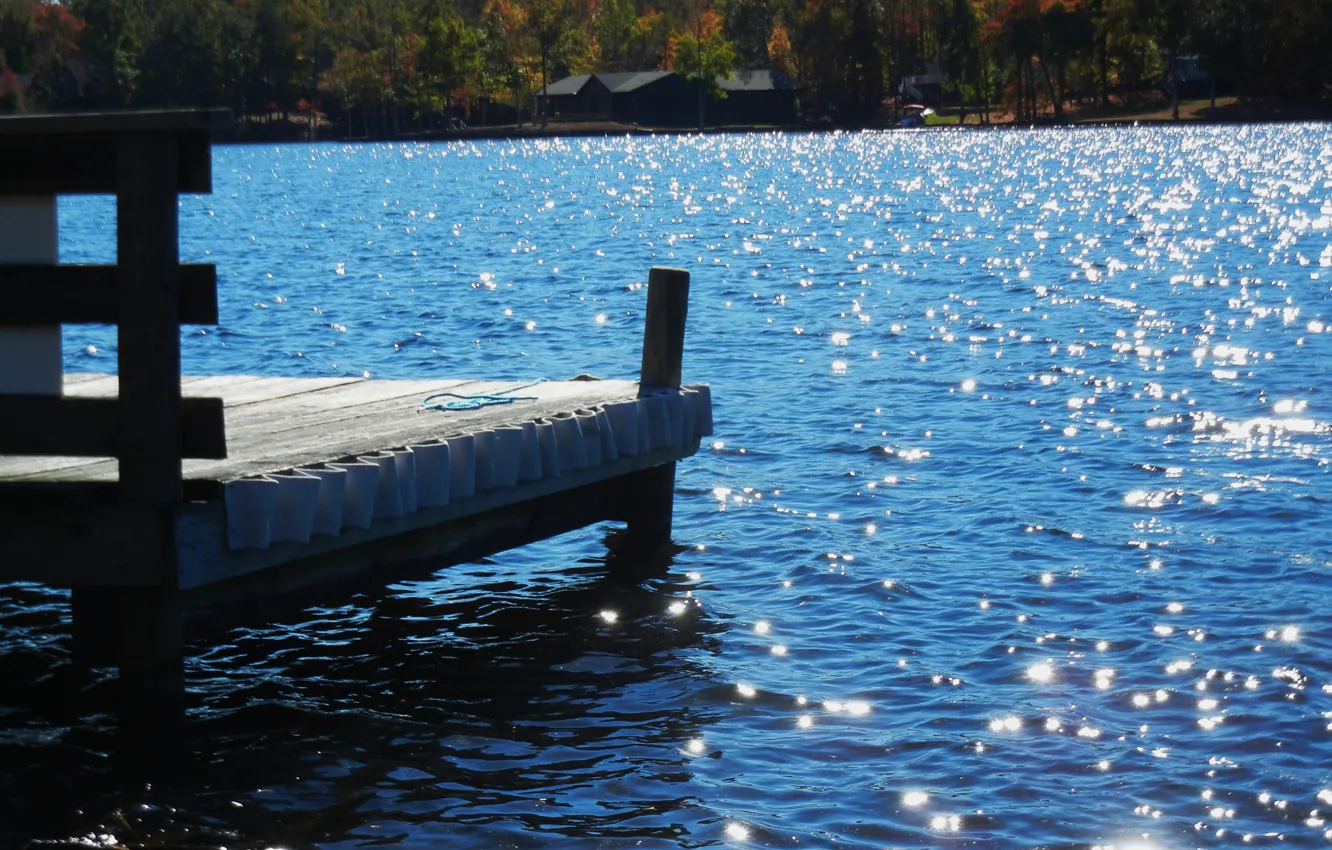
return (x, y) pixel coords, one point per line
(146, 159)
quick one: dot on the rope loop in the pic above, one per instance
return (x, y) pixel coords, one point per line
(461, 401)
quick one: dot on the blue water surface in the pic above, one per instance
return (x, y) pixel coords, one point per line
(1016, 530)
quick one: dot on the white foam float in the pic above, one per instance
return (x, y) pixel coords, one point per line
(587, 423)
(659, 420)
(328, 504)
(529, 465)
(250, 504)
(643, 412)
(569, 440)
(508, 454)
(405, 460)
(388, 491)
(703, 419)
(610, 451)
(432, 474)
(462, 466)
(294, 508)
(358, 504)
(690, 399)
(484, 443)
(550, 449)
(674, 417)
(352, 493)
(623, 419)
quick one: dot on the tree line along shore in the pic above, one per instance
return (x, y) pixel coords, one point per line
(424, 68)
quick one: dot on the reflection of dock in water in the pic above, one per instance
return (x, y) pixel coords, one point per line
(150, 494)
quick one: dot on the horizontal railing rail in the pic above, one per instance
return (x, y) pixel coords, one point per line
(146, 159)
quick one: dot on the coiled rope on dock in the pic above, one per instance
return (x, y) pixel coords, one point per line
(462, 401)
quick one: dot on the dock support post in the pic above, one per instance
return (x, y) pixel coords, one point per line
(651, 493)
(149, 643)
(151, 654)
(93, 621)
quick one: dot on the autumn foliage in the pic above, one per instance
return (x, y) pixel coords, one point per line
(382, 66)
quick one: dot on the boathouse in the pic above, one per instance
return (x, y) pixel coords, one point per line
(755, 97)
(579, 96)
(667, 99)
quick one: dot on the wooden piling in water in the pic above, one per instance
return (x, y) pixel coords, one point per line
(652, 491)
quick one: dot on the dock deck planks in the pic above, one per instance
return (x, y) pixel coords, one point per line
(275, 424)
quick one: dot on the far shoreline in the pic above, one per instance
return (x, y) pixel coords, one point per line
(1192, 114)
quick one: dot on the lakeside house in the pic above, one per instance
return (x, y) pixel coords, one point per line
(756, 97)
(926, 86)
(667, 99)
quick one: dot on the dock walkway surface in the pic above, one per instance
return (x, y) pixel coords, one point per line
(152, 495)
(316, 465)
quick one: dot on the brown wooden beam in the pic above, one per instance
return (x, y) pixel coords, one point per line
(85, 163)
(664, 327)
(86, 294)
(90, 427)
(69, 537)
(115, 121)
(648, 497)
(148, 336)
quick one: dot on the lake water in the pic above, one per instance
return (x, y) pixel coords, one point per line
(1016, 530)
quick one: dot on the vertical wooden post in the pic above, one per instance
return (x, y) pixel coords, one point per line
(651, 493)
(664, 328)
(149, 645)
(148, 270)
(93, 621)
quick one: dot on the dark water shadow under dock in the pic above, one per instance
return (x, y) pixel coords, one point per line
(482, 698)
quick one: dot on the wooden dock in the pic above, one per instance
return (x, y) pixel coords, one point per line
(147, 492)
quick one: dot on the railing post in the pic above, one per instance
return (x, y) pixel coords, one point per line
(651, 493)
(30, 357)
(148, 262)
(148, 629)
(664, 327)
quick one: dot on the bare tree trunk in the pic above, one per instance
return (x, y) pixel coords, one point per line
(545, 91)
(1104, 58)
(1174, 88)
(1021, 90)
(1049, 85)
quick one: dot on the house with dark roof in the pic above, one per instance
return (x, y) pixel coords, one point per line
(666, 99)
(582, 95)
(755, 97)
(655, 98)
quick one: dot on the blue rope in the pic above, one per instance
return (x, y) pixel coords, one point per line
(476, 402)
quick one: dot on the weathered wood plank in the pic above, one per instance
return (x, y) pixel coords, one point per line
(310, 428)
(148, 336)
(650, 494)
(664, 327)
(307, 439)
(86, 294)
(92, 427)
(273, 390)
(234, 390)
(82, 377)
(85, 164)
(96, 385)
(115, 121)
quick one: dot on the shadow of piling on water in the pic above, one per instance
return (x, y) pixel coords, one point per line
(472, 690)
